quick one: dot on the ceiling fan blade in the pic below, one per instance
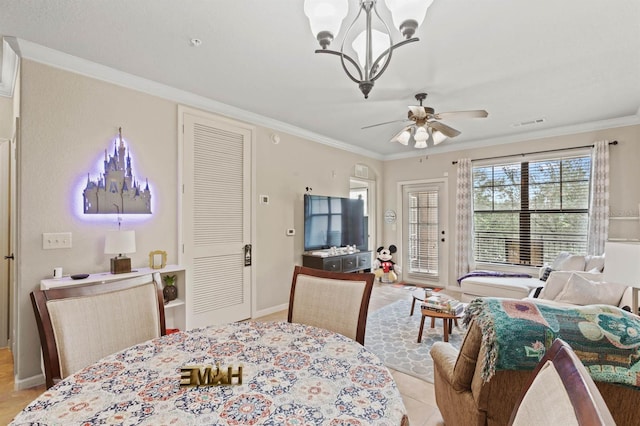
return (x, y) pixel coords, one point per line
(478, 113)
(418, 111)
(401, 137)
(443, 128)
(382, 124)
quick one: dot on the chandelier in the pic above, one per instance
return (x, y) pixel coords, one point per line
(373, 48)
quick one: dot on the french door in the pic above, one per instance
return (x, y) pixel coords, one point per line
(216, 218)
(424, 233)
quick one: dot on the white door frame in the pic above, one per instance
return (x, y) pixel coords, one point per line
(444, 261)
(5, 240)
(182, 110)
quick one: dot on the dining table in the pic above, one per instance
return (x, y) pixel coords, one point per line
(292, 374)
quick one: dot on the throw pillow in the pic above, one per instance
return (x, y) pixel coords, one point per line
(581, 291)
(536, 292)
(545, 273)
(560, 258)
(594, 263)
(572, 263)
(554, 285)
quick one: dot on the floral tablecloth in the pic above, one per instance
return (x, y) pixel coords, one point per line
(292, 374)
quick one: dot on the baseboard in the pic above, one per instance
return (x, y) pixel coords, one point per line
(271, 310)
(29, 382)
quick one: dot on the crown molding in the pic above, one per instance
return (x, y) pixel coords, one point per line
(61, 60)
(9, 71)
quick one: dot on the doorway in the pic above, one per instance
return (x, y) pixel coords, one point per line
(424, 232)
(365, 190)
(5, 242)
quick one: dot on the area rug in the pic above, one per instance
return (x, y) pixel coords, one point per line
(392, 335)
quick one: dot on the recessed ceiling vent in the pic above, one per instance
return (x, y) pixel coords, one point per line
(530, 122)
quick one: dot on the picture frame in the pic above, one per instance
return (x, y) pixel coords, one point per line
(157, 259)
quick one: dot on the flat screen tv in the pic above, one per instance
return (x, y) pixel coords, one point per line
(334, 221)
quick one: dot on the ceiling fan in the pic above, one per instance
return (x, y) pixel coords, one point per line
(426, 128)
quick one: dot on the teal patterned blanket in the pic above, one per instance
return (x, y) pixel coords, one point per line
(516, 333)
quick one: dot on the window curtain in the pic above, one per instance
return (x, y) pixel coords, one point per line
(599, 205)
(464, 215)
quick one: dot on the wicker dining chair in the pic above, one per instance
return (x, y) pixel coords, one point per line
(334, 301)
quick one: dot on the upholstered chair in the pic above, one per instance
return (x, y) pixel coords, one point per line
(334, 301)
(81, 324)
(561, 392)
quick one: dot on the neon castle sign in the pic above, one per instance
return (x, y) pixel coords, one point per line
(117, 191)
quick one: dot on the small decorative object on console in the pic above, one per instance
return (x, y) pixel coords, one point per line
(170, 291)
(157, 259)
(79, 276)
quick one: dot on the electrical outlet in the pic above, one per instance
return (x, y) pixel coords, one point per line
(291, 232)
(56, 240)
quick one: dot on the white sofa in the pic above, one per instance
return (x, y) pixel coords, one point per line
(518, 287)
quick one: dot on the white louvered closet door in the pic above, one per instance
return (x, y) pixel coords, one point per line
(216, 216)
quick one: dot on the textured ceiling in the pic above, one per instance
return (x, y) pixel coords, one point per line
(573, 63)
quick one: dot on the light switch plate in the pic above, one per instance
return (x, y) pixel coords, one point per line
(291, 232)
(56, 240)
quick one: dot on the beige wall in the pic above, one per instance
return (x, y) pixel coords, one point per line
(283, 172)
(6, 117)
(624, 177)
(67, 121)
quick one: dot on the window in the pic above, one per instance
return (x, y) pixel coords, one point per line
(526, 213)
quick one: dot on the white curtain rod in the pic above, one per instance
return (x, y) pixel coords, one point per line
(536, 152)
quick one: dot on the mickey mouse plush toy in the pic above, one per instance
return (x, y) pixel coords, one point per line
(384, 266)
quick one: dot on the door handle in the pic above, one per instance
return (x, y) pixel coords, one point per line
(247, 255)
(10, 257)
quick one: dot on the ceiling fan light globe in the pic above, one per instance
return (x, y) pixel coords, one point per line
(403, 11)
(438, 137)
(420, 144)
(403, 137)
(379, 43)
(421, 135)
(325, 17)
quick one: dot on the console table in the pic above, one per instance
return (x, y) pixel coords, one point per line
(175, 313)
(350, 262)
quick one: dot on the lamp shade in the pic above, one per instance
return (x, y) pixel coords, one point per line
(437, 136)
(404, 10)
(622, 263)
(120, 242)
(421, 134)
(326, 15)
(402, 137)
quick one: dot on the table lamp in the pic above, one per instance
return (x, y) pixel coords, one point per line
(622, 266)
(120, 243)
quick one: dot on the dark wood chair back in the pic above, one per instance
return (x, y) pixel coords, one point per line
(561, 391)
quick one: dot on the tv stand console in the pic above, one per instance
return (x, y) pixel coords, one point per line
(351, 262)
